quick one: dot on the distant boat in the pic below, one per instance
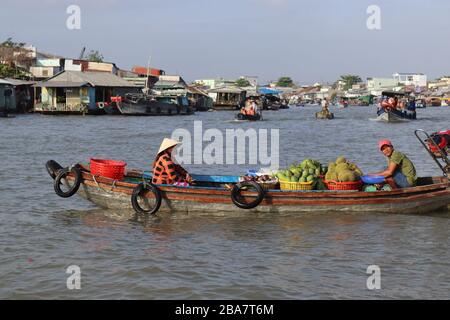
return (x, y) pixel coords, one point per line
(388, 112)
(393, 116)
(323, 115)
(241, 116)
(145, 105)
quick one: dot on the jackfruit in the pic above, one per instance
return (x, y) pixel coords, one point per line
(355, 168)
(346, 176)
(331, 167)
(341, 159)
(341, 166)
(331, 176)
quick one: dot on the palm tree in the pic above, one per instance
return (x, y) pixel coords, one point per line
(350, 80)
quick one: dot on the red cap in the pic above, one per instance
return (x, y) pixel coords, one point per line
(382, 143)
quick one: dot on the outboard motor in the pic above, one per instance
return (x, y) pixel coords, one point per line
(442, 140)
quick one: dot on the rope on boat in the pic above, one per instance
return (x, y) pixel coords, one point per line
(118, 107)
(107, 191)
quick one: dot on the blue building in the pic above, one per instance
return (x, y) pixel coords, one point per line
(80, 92)
(16, 95)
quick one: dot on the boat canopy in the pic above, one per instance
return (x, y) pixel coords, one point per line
(393, 93)
(269, 91)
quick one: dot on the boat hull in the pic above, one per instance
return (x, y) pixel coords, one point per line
(322, 115)
(241, 116)
(110, 194)
(397, 116)
(153, 108)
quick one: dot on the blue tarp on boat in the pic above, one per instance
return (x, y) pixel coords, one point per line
(269, 91)
(204, 178)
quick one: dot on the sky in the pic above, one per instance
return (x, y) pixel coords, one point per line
(309, 41)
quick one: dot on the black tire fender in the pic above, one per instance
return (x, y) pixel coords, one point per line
(237, 188)
(53, 168)
(146, 187)
(62, 174)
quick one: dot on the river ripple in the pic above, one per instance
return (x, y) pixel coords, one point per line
(211, 257)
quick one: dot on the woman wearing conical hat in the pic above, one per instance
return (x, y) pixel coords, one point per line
(165, 170)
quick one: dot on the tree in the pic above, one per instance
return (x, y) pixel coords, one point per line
(285, 82)
(350, 80)
(12, 53)
(94, 56)
(242, 82)
(10, 72)
(12, 44)
(14, 59)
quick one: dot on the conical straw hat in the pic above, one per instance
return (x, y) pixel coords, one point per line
(166, 144)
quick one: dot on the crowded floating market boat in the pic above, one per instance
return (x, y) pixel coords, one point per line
(396, 107)
(251, 111)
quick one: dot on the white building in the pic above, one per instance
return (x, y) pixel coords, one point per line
(376, 85)
(411, 79)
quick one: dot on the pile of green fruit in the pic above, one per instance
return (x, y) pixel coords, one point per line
(343, 171)
(308, 170)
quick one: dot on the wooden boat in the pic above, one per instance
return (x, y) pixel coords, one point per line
(241, 116)
(324, 115)
(212, 194)
(394, 116)
(112, 109)
(390, 113)
(143, 105)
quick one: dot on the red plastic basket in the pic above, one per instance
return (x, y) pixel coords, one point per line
(108, 168)
(335, 185)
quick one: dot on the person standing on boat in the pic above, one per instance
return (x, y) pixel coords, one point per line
(325, 105)
(249, 108)
(401, 172)
(246, 107)
(165, 170)
(254, 106)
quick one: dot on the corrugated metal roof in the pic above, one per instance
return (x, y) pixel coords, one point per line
(4, 81)
(61, 84)
(95, 79)
(168, 84)
(195, 90)
(226, 90)
(17, 82)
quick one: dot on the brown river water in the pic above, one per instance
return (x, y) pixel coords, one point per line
(307, 256)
